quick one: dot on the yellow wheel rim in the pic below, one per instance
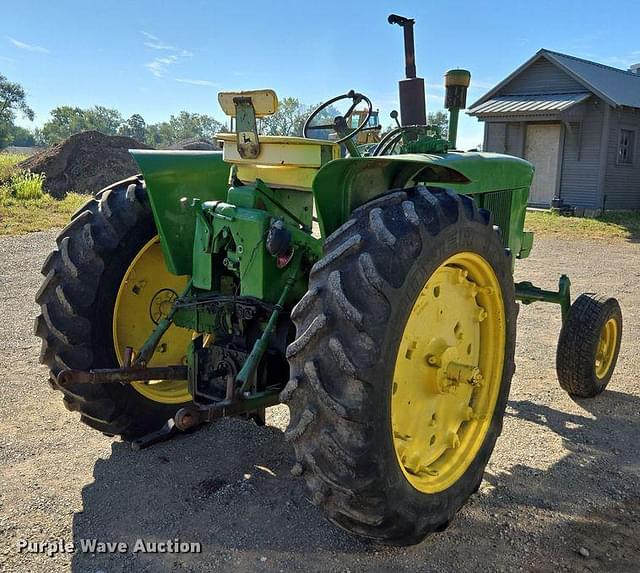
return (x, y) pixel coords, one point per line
(144, 297)
(448, 372)
(606, 347)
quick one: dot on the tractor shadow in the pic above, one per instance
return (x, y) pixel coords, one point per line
(601, 453)
(593, 490)
(228, 487)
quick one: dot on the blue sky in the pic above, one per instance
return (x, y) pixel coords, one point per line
(157, 58)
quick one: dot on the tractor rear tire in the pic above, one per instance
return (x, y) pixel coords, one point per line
(77, 300)
(588, 345)
(350, 331)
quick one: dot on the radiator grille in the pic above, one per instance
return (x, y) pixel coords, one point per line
(499, 203)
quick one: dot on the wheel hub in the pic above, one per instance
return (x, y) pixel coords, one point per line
(161, 304)
(145, 296)
(448, 372)
(606, 347)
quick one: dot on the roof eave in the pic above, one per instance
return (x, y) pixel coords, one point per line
(486, 109)
(514, 114)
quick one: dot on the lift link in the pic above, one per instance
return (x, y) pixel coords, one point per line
(121, 375)
(261, 345)
(137, 370)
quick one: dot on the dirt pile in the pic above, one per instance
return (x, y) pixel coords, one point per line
(85, 163)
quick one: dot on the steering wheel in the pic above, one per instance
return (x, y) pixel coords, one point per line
(389, 141)
(341, 121)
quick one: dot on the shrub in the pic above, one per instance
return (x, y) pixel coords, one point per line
(26, 186)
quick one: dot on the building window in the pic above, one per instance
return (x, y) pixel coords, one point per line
(626, 146)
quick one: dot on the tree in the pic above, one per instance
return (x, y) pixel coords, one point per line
(135, 127)
(193, 125)
(22, 137)
(288, 120)
(291, 116)
(103, 119)
(182, 127)
(439, 119)
(12, 100)
(66, 121)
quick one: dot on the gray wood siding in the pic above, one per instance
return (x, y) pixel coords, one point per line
(496, 137)
(542, 77)
(515, 138)
(505, 137)
(622, 182)
(581, 159)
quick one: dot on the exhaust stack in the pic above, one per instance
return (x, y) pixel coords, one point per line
(413, 108)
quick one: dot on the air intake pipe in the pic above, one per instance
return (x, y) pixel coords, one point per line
(456, 83)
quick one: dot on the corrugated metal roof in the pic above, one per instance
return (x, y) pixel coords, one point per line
(618, 86)
(615, 86)
(526, 104)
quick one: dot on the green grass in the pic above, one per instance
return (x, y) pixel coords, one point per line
(8, 162)
(24, 207)
(622, 225)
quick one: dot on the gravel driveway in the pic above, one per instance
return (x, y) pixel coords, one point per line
(561, 491)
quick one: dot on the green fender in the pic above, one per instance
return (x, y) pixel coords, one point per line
(170, 176)
(343, 185)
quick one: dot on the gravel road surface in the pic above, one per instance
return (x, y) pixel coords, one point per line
(561, 492)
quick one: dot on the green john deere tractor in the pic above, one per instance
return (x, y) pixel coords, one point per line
(374, 295)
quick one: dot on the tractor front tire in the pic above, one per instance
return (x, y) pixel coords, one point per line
(392, 421)
(588, 345)
(77, 298)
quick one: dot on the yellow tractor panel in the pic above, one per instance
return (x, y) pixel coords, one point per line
(265, 102)
(290, 162)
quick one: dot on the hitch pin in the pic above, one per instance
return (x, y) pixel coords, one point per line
(128, 356)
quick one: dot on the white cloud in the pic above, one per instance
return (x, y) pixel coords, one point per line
(481, 84)
(195, 82)
(622, 61)
(158, 66)
(150, 36)
(159, 46)
(28, 47)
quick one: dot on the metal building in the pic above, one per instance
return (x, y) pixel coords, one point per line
(577, 121)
